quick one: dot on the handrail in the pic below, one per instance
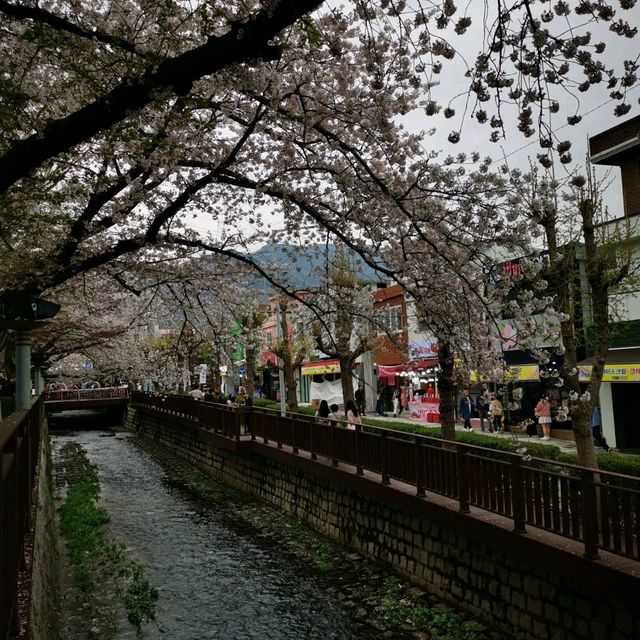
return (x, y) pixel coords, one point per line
(19, 450)
(86, 394)
(601, 509)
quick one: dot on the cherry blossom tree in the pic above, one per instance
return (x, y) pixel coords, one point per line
(293, 346)
(570, 212)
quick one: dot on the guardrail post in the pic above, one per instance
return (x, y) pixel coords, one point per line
(517, 496)
(590, 530)
(332, 445)
(279, 431)
(358, 455)
(463, 480)
(384, 459)
(314, 455)
(419, 461)
(237, 427)
(294, 439)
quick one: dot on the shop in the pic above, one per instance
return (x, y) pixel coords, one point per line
(323, 381)
(418, 383)
(618, 396)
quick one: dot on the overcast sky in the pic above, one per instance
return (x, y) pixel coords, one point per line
(595, 106)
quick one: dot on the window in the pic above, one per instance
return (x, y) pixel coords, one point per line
(391, 318)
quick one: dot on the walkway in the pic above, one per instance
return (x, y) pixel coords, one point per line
(566, 446)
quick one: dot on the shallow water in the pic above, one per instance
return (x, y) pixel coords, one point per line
(214, 580)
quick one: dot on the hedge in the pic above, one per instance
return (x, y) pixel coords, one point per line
(615, 462)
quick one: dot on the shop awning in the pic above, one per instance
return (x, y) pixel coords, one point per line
(390, 370)
(622, 365)
(320, 366)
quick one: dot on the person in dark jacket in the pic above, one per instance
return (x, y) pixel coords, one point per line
(464, 409)
(360, 399)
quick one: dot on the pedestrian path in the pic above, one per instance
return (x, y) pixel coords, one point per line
(566, 446)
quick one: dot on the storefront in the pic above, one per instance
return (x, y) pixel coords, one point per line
(618, 396)
(418, 381)
(323, 381)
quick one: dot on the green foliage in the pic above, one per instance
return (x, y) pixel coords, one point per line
(264, 403)
(626, 464)
(140, 598)
(401, 608)
(81, 521)
(82, 524)
(615, 462)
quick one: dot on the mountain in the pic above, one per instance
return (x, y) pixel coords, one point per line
(302, 267)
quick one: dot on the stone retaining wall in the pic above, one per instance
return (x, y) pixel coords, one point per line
(529, 586)
(43, 622)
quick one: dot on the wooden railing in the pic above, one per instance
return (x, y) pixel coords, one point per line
(597, 508)
(87, 394)
(19, 449)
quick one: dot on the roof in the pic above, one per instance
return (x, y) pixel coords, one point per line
(623, 355)
(613, 145)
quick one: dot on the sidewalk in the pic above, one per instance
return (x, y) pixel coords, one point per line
(566, 446)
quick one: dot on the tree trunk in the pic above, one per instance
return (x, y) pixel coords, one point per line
(292, 387)
(250, 355)
(446, 387)
(583, 434)
(346, 379)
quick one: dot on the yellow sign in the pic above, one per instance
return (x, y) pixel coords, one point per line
(612, 373)
(522, 372)
(331, 366)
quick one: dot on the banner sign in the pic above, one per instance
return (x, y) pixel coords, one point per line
(320, 367)
(522, 372)
(612, 373)
(428, 411)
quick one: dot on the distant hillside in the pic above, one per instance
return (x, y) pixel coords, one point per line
(302, 267)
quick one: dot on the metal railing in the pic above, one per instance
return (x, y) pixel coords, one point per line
(87, 394)
(597, 508)
(19, 449)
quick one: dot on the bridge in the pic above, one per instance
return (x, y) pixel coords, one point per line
(580, 524)
(65, 399)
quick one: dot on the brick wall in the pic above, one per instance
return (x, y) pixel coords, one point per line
(526, 588)
(631, 185)
(615, 136)
(628, 161)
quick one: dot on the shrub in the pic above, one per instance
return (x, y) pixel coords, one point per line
(618, 463)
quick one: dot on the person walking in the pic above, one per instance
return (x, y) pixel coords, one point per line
(596, 426)
(334, 418)
(353, 417)
(397, 409)
(496, 413)
(464, 409)
(322, 414)
(404, 399)
(482, 405)
(360, 399)
(543, 413)
(380, 403)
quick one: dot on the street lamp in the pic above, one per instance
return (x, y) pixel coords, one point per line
(22, 313)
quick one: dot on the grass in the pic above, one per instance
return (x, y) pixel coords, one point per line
(91, 550)
(401, 608)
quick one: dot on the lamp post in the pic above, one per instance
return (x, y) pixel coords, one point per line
(23, 313)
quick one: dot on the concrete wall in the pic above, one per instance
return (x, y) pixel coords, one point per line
(530, 586)
(43, 622)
